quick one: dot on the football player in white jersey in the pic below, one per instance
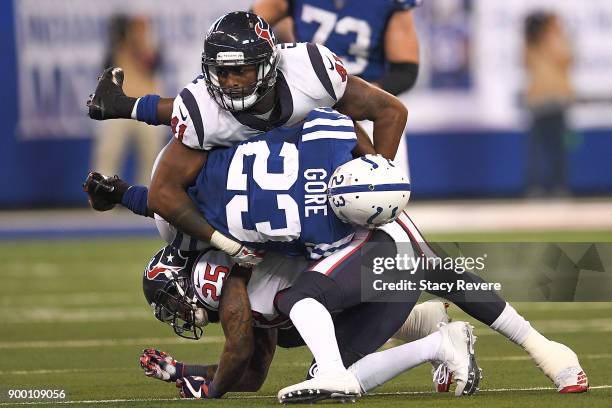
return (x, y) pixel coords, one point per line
(248, 85)
(185, 287)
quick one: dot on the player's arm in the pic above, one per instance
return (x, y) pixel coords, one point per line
(363, 101)
(237, 323)
(257, 371)
(277, 14)
(364, 144)
(177, 169)
(272, 11)
(401, 53)
(110, 102)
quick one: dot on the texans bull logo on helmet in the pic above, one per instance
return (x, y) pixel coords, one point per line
(264, 32)
(167, 261)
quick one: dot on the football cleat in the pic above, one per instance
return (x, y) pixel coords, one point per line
(457, 355)
(337, 386)
(572, 380)
(158, 364)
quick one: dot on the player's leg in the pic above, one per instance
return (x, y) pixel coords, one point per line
(452, 344)
(425, 319)
(333, 284)
(556, 360)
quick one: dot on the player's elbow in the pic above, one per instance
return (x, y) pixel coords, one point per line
(397, 112)
(157, 197)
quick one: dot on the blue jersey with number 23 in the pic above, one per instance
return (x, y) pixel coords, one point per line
(270, 191)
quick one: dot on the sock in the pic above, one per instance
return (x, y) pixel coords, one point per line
(316, 327)
(377, 368)
(512, 325)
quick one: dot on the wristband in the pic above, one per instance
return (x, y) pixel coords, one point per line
(224, 243)
(135, 198)
(146, 109)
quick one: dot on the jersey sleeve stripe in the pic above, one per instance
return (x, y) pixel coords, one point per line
(329, 122)
(324, 132)
(319, 67)
(194, 114)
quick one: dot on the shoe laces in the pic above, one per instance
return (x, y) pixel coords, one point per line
(441, 374)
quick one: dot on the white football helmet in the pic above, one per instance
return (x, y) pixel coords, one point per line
(368, 191)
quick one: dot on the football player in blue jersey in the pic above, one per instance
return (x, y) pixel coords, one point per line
(376, 39)
(233, 184)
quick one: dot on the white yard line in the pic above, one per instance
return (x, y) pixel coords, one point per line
(250, 397)
(106, 342)
(303, 364)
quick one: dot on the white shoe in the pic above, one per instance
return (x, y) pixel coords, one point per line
(457, 354)
(340, 386)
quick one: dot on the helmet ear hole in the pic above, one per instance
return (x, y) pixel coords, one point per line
(368, 191)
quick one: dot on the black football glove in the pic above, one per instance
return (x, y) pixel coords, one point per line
(104, 192)
(108, 100)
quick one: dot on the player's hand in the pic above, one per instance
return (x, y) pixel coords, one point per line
(158, 364)
(103, 192)
(195, 387)
(248, 257)
(108, 100)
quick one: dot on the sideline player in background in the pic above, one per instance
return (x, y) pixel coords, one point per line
(376, 39)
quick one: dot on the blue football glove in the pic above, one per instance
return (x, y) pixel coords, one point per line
(195, 387)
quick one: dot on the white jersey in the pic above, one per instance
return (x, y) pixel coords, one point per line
(309, 76)
(274, 274)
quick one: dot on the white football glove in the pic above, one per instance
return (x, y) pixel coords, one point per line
(241, 254)
(247, 257)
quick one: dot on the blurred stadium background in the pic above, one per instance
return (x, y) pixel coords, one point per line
(73, 314)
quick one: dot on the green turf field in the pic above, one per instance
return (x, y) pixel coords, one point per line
(74, 318)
